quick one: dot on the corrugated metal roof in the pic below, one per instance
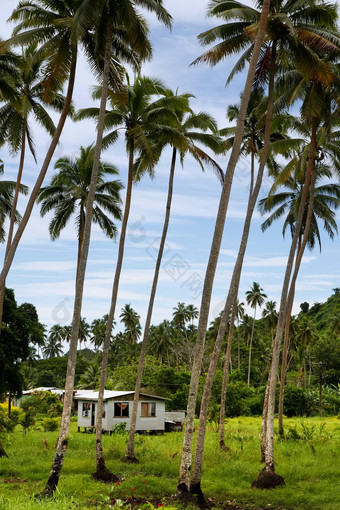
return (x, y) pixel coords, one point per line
(108, 394)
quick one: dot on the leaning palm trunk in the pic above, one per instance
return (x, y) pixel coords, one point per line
(225, 379)
(102, 473)
(12, 250)
(184, 473)
(130, 451)
(58, 461)
(268, 478)
(13, 213)
(195, 486)
(285, 349)
(250, 348)
(300, 252)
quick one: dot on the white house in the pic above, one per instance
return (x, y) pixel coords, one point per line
(117, 408)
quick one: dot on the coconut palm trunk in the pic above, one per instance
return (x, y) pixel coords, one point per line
(41, 176)
(130, 451)
(225, 379)
(285, 349)
(184, 472)
(250, 347)
(102, 473)
(290, 301)
(58, 461)
(12, 216)
(268, 478)
(195, 486)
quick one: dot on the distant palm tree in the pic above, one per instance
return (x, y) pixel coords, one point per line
(180, 316)
(131, 320)
(84, 331)
(98, 328)
(270, 314)
(53, 345)
(254, 297)
(68, 193)
(161, 339)
(90, 378)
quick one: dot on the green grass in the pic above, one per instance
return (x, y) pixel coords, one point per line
(310, 467)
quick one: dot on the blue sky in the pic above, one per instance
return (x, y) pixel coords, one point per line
(43, 271)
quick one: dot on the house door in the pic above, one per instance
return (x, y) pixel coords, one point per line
(93, 415)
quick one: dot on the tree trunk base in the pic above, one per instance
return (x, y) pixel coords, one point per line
(130, 459)
(268, 479)
(195, 489)
(224, 447)
(104, 475)
(183, 494)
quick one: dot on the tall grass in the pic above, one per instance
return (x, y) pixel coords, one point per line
(307, 458)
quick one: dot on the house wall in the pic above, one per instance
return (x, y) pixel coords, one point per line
(143, 423)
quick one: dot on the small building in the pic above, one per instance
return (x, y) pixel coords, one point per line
(174, 420)
(117, 408)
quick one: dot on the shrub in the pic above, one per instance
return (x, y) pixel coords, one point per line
(43, 402)
(119, 428)
(50, 424)
(295, 402)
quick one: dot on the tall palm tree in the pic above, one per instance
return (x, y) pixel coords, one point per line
(108, 19)
(68, 193)
(192, 129)
(312, 110)
(184, 473)
(142, 109)
(17, 115)
(254, 297)
(286, 203)
(131, 320)
(58, 30)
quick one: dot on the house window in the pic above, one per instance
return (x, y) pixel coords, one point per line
(121, 409)
(148, 409)
(86, 409)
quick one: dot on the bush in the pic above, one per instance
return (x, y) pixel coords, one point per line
(295, 402)
(42, 402)
(119, 428)
(50, 424)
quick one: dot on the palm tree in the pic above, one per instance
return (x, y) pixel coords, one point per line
(16, 117)
(106, 17)
(180, 316)
(254, 297)
(184, 473)
(192, 129)
(6, 202)
(312, 109)
(68, 193)
(270, 314)
(53, 345)
(239, 314)
(161, 339)
(131, 320)
(90, 378)
(286, 203)
(193, 313)
(98, 328)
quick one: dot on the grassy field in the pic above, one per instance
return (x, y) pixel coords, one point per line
(308, 459)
